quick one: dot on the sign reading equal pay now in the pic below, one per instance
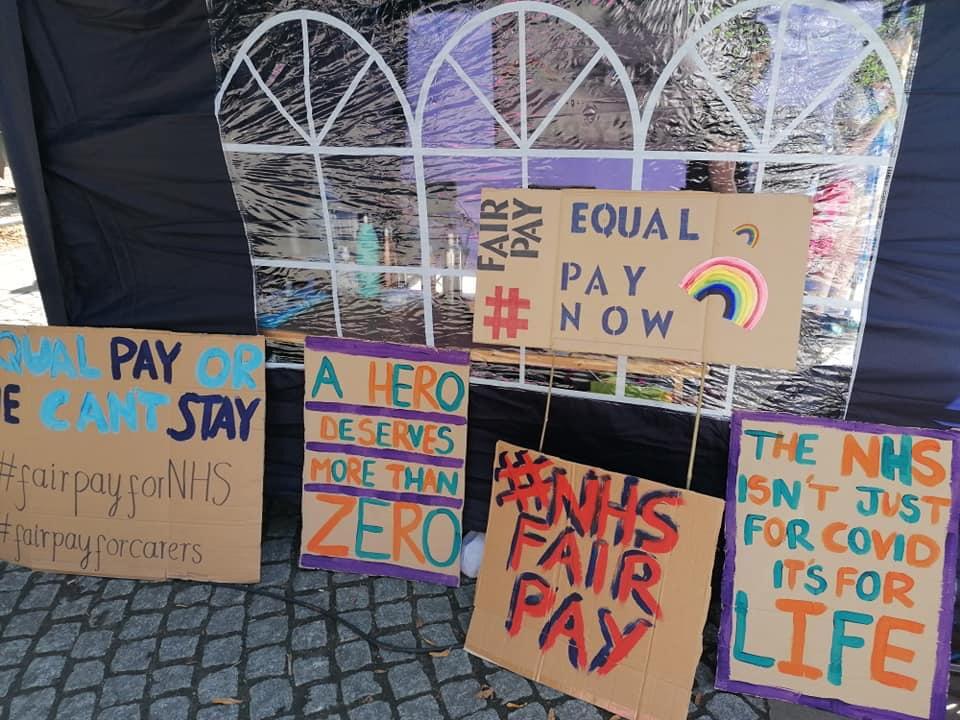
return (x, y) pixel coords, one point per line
(383, 474)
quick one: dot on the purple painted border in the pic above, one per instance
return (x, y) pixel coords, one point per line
(349, 409)
(386, 454)
(421, 498)
(366, 567)
(366, 348)
(860, 712)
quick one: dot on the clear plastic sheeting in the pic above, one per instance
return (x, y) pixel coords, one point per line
(360, 135)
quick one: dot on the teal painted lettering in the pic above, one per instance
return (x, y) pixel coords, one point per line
(459, 391)
(398, 386)
(204, 376)
(760, 436)
(448, 481)
(326, 375)
(91, 412)
(11, 362)
(90, 373)
(444, 434)
(872, 506)
(363, 528)
(48, 410)
(151, 401)
(752, 525)
(741, 609)
(247, 358)
(841, 640)
(125, 410)
(803, 449)
(454, 550)
(61, 362)
(37, 361)
(893, 463)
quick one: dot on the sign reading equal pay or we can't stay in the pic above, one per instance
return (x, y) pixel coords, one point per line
(679, 275)
(841, 561)
(383, 475)
(131, 453)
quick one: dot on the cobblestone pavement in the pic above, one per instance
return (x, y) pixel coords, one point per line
(81, 647)
(20, 302)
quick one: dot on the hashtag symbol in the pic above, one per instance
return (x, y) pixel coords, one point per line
(4, 529)
(526, 480)
(7, 468)
(506, 312)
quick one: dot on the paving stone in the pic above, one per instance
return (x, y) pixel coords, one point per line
(408, 679)
(151, 597)
(441, 635)
(134, 655)
(509, 686)
(22, 624)
(107, 614)
(456, 664)
(724, 706)
(310, 580)
(92, 644)
(41, 596)
(33, 706)
(85, 674)
(78, 707)
(270, 697)
(6, 681)
(483, 715)
(266, 606)
(43, 671)
(170, 679)
(424, 707)
(219, 712)
(276, 550)
(170, 708)
(363, 619)
(353, 656)
(311, 636)
(193, 595)
(465, 595)
(372, 711)
(321, 698)
(178, 647)
(310, 668)
(189, 618)
(60, 638)
(395, 614)
(12, 652)
(386, 589)
(548, 693)
(460, 698)
(435, 609)
(266, 662)
(267, 631)
(463, 618)
(225, 651)
(275, 574)
(122, 689)
(137, 627)
(222, 684)
(72, 608)
(8, 601)
(533, 711)
(346, 578)
(422, 588)
(222, 597)
(357, 686)
(126, 712)
(118, 588)
(352, 597)
(225, 621)
(578, 710)
(13, 578)
(400, 639)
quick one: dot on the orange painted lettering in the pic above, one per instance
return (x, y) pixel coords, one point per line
(346, 505)
(883, 649)
(799, 609)
(936, 473)
(869, 460)
(424, 380)
(401, 530)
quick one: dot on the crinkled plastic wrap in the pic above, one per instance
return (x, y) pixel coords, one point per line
(359, 136)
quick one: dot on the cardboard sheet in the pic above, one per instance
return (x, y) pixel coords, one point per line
(687, 276)
(383, 473)
(595, 583)
(840, 574)
(131, 453)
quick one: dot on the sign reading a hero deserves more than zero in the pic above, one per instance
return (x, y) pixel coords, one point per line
(131, 453)
(691, 276)
(841, 543)
(383, 474)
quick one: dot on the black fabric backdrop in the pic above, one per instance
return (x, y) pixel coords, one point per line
(106, 107)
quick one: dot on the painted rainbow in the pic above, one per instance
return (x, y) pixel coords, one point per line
(749, 231)
(742, 287)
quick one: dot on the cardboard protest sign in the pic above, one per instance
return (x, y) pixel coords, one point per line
(131, 453)
(687, 276)
(595, 583)
(386, 434)
(841, 557)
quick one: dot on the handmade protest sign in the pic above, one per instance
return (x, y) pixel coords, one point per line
(841, 556)
(131, 453)
(595, 583)
(679, 275)
(386, 433)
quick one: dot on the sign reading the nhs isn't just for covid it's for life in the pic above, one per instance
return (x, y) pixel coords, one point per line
(841, 560)
(383, 475)
(677, 275)
(131, 453)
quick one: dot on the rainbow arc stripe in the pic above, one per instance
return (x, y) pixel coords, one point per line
(750, 231)
(741, 285)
